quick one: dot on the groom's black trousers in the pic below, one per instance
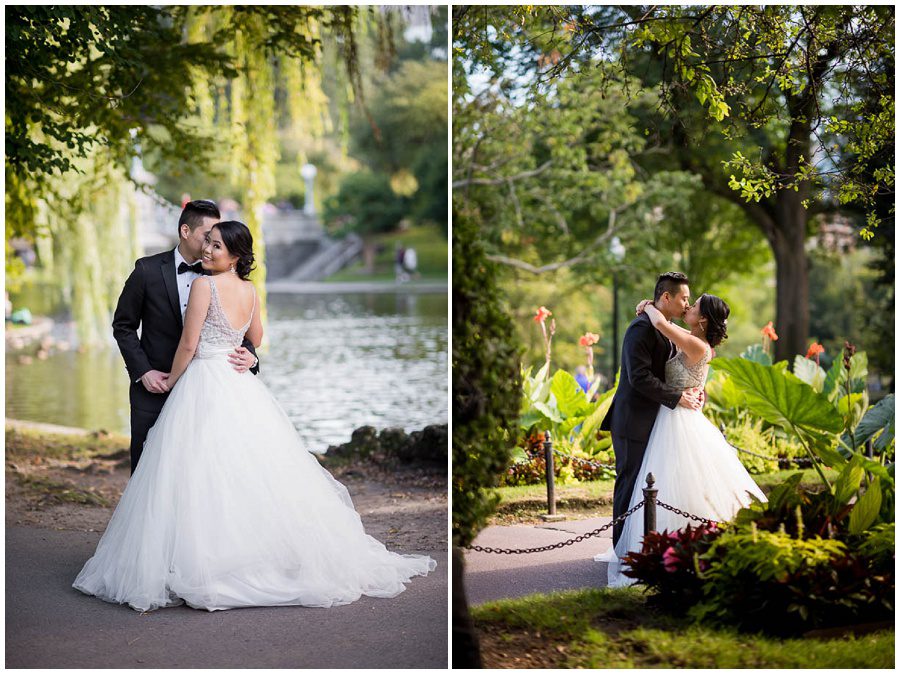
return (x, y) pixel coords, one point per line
(629, 456)
(141, 423)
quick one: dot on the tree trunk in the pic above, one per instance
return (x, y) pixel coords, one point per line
(466, 652)
(792, 279)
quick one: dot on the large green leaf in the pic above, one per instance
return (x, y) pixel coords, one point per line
(809, 371)
(723, 392)
(878, 417)
(859, 371)
(833, 379)
(595, 418)
(852, 408)
(781, 398)
(530, 418)
(755, 353)
(847, 483)
(570, 399)
(866, 509)
(836, 379)
(549, 410)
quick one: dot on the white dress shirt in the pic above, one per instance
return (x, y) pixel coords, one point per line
(184, 282)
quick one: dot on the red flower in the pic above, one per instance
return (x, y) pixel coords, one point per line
(541, 314)
(814, 350)
(769, 331)
(589, 338)
(670, 560)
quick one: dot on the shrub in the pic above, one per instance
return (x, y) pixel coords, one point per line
(800, 561)
(672, 564)
(775, 582)
(486, 384)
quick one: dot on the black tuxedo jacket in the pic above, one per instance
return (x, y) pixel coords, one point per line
(150, 300)
(642, 388)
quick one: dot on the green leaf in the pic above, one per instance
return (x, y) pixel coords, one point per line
(780, 397)
(531, 418)
(833, 379)
(722, 391)
(859, 371)
(570, 399)
(809, 371)
(852, 408)
(847, 483)
(549, 410)
(866, 509)
(757, 354)
(595, 418)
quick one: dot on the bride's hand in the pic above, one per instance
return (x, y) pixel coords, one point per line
(641, 306)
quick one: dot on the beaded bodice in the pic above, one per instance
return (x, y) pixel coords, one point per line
(217, 331)
(683, 376)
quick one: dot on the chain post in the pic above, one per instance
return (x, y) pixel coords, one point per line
(551, 486)
(650, 505)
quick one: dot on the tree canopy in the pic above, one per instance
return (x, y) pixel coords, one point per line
(785, 112)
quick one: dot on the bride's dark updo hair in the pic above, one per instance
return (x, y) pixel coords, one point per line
(238, 240)
(715, 311)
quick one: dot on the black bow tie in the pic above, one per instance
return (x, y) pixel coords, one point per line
(197, 268)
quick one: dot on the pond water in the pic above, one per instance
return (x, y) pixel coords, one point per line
(334, 362)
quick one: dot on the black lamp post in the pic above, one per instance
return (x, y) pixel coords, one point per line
(617, 250)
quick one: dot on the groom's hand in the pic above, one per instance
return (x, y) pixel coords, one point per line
(242, 359)
(155, 381)
(691, 399)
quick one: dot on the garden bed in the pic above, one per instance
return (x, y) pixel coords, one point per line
(617, 628)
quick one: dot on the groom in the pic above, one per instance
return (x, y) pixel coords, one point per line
(154, 298)
(642, 389)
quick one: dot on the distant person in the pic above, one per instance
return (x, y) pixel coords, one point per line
(400, 275)
(582, 378)
(410, 261)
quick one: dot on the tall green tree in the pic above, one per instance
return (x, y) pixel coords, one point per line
(786, 111)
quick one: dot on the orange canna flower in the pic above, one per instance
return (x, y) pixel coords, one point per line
(589, 338)
(541, 314)
(769, 331)
(814, 350)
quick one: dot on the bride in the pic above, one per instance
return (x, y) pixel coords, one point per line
(696, 470)
(226, 507)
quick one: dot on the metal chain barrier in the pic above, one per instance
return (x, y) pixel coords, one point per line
(679, 511)
(561, 544)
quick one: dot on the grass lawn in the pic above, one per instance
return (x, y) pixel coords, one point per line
(526, 503)
(615, 628)
(431, 253)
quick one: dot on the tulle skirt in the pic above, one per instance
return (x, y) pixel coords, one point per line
(696, 470)
(228, 509)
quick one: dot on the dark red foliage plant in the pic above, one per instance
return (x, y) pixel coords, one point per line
(669, 564)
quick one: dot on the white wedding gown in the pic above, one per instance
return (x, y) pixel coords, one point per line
(228, 509)
(695, 468)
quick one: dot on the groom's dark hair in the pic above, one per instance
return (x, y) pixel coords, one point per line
(669, 282)
(196, 211)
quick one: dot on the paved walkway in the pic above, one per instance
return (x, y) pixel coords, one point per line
(490, 576)
(50, 624)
